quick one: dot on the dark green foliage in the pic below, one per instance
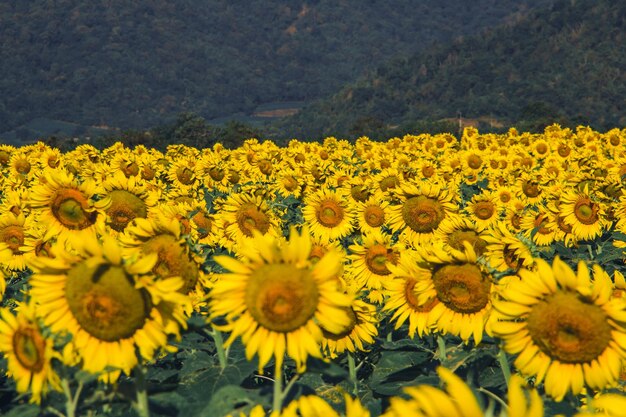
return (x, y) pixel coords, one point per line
(559, 65)
(189, 129)
(138, 64)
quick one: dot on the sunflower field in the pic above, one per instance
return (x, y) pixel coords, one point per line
(422, 276)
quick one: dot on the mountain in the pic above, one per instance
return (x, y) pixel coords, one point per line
(134, 64)
(565, 63)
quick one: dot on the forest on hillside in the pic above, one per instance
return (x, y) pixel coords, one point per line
(558, 65)
(139, 64)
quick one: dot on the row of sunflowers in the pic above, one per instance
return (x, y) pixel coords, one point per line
(328, 278)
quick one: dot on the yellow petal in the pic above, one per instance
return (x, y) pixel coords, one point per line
(461, 393)
(517, 400)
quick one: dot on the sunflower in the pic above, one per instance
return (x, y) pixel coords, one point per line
(340, 178)
(198, 224)
(22, 165)
(93, 171)
(505, 251)
(402, 297)
(514, 214)
(505, 194)
(182, 172)
(180, 195)
(319, 248)
(28, 352)
(360, 187)
(614, 140)
(463, 288)
(564, 327)
(537, 224)
(109, 306)
(265, 166)
(275, 299)
(67, 207)
(368, 261)
(130, 198)
(459, 400)
(564, 151)
(38, 241)
(13, 231)
(15, 200)
(453, 231)
(294, 153)
(388, 179)
(162, 235)
(423, 207)
(540, 148)
(583, 213)
(562, 230)
(372, 214)
(528, 188)
(88, 152)
(362, 330)
(149, 170)
(426, 168)
(620, 213)
(177, 151)
(551, 172)
(51, 158)
(320, 170)
(329, 213)
(473, 161)
(437, 144)
(126, 162)
(289, 182)
(604, 405)
(6, 151)
(240, 214)
(483, 210)
(213, 171)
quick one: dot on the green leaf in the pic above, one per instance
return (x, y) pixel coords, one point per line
(200, 386)
(168, 403)
(329, 369)
(491, 377)
(161, 375)
(404, 344)
(230, 399)
(24, 410)
(397, 369)
(462, 355)
(374, 405)
(195, 362)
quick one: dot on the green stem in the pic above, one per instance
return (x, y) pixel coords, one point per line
(54, 411)
(504, 405)
(352, 373)
(141, 406)
(441, 343)
(290, 384)
(71, 403)
(219, 347)
(504, 366)
(77, 394)
(278, 388)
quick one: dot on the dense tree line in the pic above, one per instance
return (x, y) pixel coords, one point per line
(561, 65)
(139, 64)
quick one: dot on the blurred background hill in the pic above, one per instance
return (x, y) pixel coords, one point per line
(564, 64)
(78, 68)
